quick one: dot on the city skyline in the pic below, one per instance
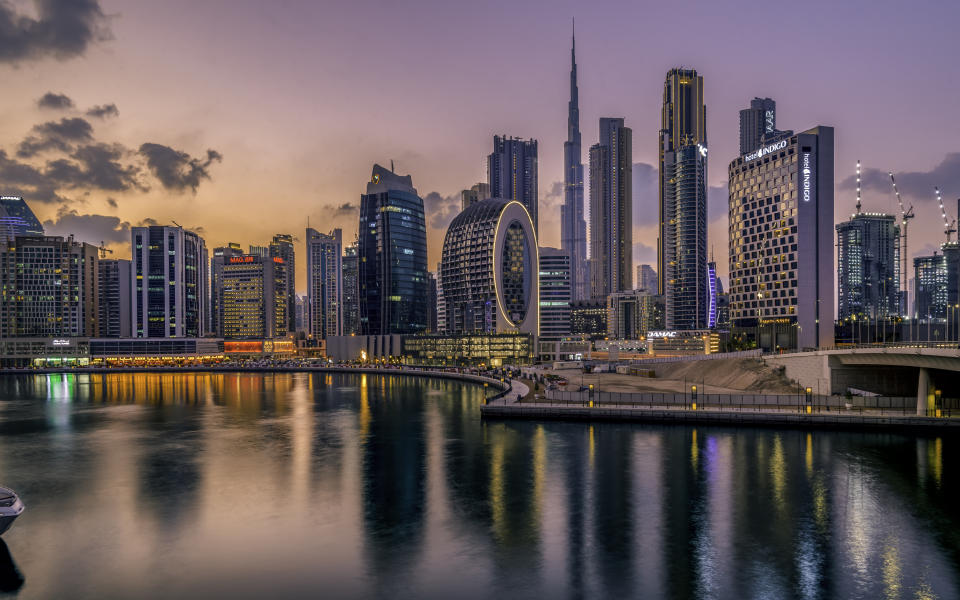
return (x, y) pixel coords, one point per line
(189, 107)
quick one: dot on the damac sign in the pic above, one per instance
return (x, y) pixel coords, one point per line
(765, 151)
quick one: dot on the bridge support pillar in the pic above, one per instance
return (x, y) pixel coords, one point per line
(924, 392)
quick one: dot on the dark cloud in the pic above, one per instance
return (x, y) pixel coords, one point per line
(102, 111)
(112, 202)
(345, 209)
(96, 166)
(55, 101)
(175, 169)
(440, 210)
(88, 228)
(59, 135)
(26, 180)
(916, 187)
(63, 29)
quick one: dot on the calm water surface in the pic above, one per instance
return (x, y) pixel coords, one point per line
(339, 486)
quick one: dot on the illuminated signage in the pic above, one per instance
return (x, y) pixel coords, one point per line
(769, 119)
(702, 149)
(661, 334)
(765, 151)
(241, 259)
(277, 259)
(807, 172)
(60, 342)
(376, 178)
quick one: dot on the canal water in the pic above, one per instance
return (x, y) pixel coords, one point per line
(363, 486)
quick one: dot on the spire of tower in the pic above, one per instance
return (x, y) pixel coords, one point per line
(573, 46)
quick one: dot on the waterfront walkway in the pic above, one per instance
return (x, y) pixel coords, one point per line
(508, 408)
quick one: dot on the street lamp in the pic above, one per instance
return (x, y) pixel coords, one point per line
(693, 397)
(809, 392)
(590, 395)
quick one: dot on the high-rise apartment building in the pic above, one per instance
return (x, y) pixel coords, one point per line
(555, 294)
(931, 287)
(476, 193)
(758, 125)
(441, 302)
(16, 218)
(350, 293)
(712, 294)
(781, 241)
(611, 209)
(114, 310)
(630, 315)
(512, 173)
(392, 250)
(646, 278)
(281, 246)
(168, 283)
(683, 239)
(261, 251)
(431, 302)
(573, 225)
(683, 124)
(221, 255)
(49, 287)
(254, 297)
(324, 283)
(489, 270)
(868, 267)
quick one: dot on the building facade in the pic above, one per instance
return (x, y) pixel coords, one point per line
(611, 209)
(573, 225)
(931, 293)
(221, 255)
(49, 287)
(630, 315)
(588, 318)
(684, 237)
(392, 250)
(781, 241)
(683, 122)
(868, 267)
(168, 283)
(114, 307)
(351, 300)
(476, 193)
(556, 290)
(281, 246)
(16, 218)
(489, 270)
(512, 173)
(758, 125)
(324, 283)
(254, 297)
(646, 278)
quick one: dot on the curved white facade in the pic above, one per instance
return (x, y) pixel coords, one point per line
(489, 270)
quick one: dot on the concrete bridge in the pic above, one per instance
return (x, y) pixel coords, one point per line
(883, 370)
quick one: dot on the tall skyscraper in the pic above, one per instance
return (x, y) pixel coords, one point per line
(931, 287)
(646, 278)
(169, 282)
(630, 315)
(781, 241)
(555, 294)
(281, 246)
(611, 209)
(431, 302)
(683, 123)
(476, 193)
(16, 218)
(49, 287)
(221, 255)
(512, 172)
(712, 293)
(351, 300)
(114, 309)
(573, 226)
(868, 267)
(254, 297)
(684, 237)
(324, 283)
(758, 125)
(392, 247)
(489, 270)
(441, 302)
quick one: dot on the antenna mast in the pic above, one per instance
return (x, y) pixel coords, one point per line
(858, 187)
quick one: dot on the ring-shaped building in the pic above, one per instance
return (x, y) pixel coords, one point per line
(490, 270)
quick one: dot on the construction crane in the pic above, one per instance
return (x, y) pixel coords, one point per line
(103, 250)
(905, 216)
(948, 228)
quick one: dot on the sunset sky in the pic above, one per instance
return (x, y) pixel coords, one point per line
(246, 118)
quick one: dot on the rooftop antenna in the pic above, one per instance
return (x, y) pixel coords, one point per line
(948, 227)
(391, 165)
(858, 187)
(177, 224)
